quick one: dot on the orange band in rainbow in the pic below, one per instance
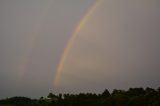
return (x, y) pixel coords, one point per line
(67, 48)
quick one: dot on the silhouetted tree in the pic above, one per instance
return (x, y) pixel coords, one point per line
(132, 97)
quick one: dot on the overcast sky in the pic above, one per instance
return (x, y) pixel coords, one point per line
(118, 47)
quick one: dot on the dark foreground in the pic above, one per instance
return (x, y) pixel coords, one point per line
(132, 97)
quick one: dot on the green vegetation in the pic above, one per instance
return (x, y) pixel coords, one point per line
(132, 97)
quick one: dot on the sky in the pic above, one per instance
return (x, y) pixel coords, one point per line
(117, 47)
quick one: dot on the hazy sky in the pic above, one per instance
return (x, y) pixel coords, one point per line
(118, 47)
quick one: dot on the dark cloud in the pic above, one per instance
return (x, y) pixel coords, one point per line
(117, 48)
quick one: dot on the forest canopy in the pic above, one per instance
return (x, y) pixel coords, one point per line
(131, 97)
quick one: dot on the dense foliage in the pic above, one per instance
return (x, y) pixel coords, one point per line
(132, 97)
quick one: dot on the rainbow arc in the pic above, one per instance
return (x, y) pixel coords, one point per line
(74, 34)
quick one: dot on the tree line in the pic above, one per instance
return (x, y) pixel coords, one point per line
(131, 97)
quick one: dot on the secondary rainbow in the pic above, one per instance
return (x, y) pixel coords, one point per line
(67, 48)
(22, 65)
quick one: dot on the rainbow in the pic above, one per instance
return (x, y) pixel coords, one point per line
(67, 48)
(22, 65)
